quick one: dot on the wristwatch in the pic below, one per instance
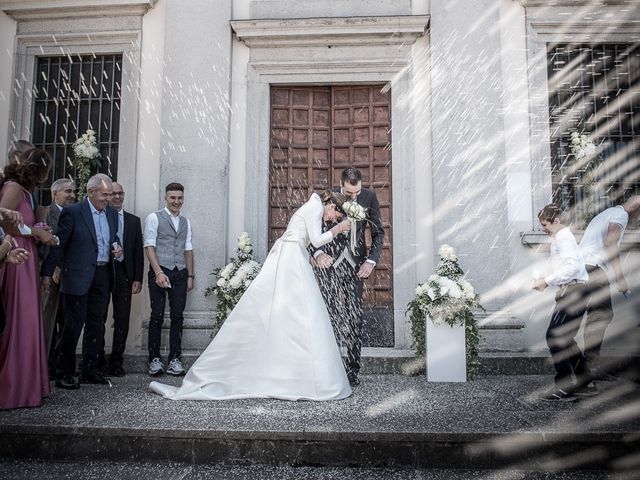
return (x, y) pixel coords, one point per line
(190, 276)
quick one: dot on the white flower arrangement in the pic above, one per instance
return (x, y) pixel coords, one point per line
(447, 252)
(582, 145)
(446, 297)
(354, 210)
(233, 279)
(86, 159)
(587, 158)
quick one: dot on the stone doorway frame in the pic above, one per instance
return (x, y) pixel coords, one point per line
(323, 51)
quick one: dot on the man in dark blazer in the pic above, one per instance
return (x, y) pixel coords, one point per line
(88, 243)
(62, 195)
(128, 278)
(341, 269)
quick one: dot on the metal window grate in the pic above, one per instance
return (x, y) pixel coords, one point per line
(594, 89)
(71, 94)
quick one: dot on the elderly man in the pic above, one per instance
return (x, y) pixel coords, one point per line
(63, 195)
(88, 242)
(600, 249)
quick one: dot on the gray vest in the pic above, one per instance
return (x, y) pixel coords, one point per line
(169, 243)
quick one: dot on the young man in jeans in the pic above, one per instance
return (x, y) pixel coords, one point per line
(570, 277)
(167, 243)
(600, 248)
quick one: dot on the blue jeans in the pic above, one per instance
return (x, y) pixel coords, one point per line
(177, 301)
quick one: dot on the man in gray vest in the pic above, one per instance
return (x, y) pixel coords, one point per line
(167, 243)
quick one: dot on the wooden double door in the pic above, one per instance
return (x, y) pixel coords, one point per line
(316, 132)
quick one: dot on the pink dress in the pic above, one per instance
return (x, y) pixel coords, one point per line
(24, 378)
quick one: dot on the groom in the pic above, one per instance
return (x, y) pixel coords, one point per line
(341, 271)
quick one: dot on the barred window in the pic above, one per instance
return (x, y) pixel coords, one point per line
(70, 95)
(594, 90)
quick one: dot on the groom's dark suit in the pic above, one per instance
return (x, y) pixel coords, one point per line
(341, 288)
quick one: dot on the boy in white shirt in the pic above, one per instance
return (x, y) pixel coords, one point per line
(570, 277)
(600, 249)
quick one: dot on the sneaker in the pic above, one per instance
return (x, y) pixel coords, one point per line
(175, 367)
(588, 390)
(156, 367)
(557, 395)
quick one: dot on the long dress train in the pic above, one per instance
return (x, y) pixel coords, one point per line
(278, 341)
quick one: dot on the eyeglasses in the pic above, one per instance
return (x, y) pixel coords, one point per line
(118, 194)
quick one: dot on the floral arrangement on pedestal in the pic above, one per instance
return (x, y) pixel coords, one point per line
(87, 159)
(446, 297)
(233, 279)
(585, 152)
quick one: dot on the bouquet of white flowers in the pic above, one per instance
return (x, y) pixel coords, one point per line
(356, 213)
(233, 279)
(354, 210)
(446, 297)
(86, 159)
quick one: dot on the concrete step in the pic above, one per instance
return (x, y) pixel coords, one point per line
(393, 361)
(106, 470)
(498, 332)
(494, 422)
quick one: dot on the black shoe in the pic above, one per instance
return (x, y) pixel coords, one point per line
(115, 371)
(588, 390)
(557, 395)
(94, 378)
(67, 382)
(353, 379)
(601, 375)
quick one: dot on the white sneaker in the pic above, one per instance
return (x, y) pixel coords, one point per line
(175, 367)
(156, 367)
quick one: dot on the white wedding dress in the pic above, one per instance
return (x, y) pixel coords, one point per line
(278, 341)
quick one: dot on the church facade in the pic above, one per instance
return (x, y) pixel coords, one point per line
(458, 113)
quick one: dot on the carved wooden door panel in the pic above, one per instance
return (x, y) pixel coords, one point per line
(315, 133)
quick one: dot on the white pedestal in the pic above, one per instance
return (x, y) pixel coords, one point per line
(446, 353)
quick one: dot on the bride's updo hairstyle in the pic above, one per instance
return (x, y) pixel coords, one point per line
(333, 197)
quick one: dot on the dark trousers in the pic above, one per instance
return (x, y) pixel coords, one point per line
(121, 298)
(88, 311)
(342, 293)
(177, 301)
(56, 334)
(599, 311)
(563, 327)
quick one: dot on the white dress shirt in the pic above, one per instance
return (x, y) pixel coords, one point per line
(566, 261)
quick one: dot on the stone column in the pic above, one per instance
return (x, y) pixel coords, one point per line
(469, 160)
(7, 40)
(195, 136)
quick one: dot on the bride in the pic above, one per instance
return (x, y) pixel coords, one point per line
(278, 341)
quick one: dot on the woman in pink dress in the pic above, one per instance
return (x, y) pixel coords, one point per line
(24, 379)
